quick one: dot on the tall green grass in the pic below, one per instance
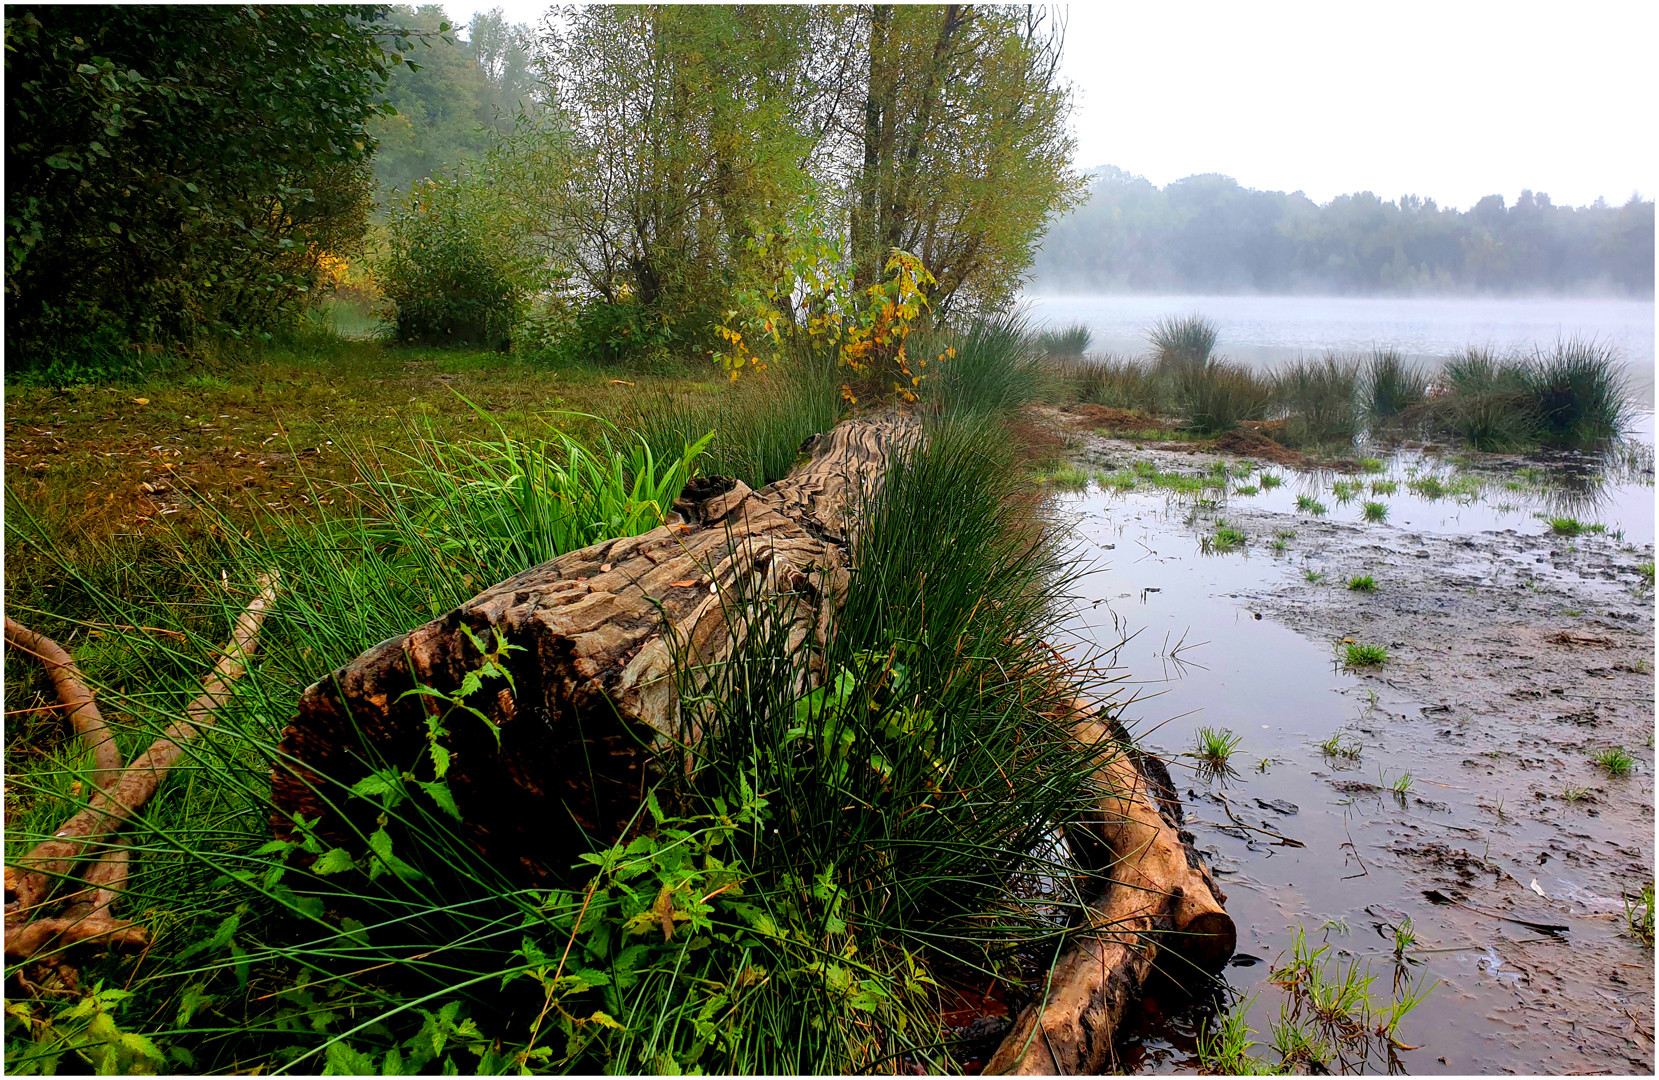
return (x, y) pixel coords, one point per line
(997, 365)
(1320, 398)
(758, 425)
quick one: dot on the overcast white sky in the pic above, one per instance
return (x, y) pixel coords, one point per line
(1451, 100)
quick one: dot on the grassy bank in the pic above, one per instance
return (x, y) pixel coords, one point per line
(843, 859)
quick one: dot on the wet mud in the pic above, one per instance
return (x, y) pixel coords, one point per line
(1453, 786)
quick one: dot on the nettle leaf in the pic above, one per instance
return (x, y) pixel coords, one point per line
(334, 862)
(439, 793)
(380, 843)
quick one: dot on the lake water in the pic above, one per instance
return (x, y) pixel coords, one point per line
(1265, 330)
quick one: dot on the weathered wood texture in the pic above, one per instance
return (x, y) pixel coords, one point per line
(602, 631)
(1160, 900)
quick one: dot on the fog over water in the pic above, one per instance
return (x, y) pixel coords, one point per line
(1263, 331)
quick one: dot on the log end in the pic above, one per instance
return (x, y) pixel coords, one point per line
(1207, 940)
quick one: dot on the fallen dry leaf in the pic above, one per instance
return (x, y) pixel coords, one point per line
(140, 401)
(682, 584)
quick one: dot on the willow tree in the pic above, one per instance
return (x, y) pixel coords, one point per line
(679, 128)
(962, 147)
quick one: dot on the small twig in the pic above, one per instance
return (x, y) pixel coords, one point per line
(1281, 837)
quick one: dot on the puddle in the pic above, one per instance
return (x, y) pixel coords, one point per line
(1242, 641)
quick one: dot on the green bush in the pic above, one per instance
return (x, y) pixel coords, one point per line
(459, 267)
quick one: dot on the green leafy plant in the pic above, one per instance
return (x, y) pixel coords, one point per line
(1362, 583)
(1269, 481)
(1376, 511)
(1384, 487)
(1345, 490)
(1308, 504)
(1361, 655)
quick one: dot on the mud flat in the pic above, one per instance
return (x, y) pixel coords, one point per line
(1464, 795)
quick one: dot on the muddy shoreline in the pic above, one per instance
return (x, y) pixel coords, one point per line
(1513, 657)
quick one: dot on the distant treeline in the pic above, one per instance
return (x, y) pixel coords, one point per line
(1211, 234)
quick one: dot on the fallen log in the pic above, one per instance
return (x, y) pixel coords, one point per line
(1159, 899)
(597, 637)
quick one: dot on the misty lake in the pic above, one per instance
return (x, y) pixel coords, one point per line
(1265, 330)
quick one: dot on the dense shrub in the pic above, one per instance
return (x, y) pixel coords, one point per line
(459, 266)
(178, 170)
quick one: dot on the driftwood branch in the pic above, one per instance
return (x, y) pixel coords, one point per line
(75, 696)
(30, 884)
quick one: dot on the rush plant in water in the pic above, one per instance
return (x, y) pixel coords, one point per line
(1638, 915)
(1376, 511)
(1269, 481)
(1345, 490)
(1384, 487)
(1214, 747)
(1341, 745)
(1311, 505)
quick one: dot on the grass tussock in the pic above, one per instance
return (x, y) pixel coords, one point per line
(1319, 399)
(1066, 342)
(1391, 387)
